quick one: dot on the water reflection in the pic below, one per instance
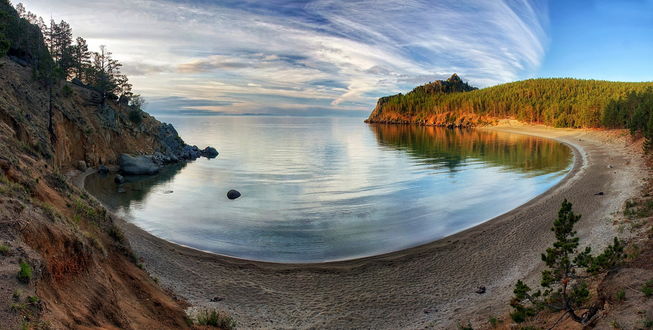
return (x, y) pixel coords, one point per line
(332, 188)
(134, 190)
(445, 147)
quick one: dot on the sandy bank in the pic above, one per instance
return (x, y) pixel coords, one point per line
(431, 285)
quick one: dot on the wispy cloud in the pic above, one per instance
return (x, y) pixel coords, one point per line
(339, 55)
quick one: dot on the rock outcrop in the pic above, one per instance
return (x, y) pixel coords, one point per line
(138, 165)
(82, 268)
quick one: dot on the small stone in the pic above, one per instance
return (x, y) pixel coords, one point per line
(481, 290)
(119, 179)
(216, 299)
(600, 193)
(233, 194)
(81, 165)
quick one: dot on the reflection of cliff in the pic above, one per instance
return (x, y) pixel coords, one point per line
(451, 147)
(136, 188)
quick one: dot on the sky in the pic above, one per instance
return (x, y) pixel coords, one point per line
(327, 58)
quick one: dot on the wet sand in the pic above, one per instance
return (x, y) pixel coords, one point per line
(427, 286)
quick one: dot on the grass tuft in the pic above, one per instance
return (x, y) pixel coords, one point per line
(25, 273)
(216, 319)
(4, 250)
(647, 288)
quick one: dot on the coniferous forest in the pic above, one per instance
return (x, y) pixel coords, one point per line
(51, 51)
(559, 102)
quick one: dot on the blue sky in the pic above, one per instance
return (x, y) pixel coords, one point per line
(331, 57)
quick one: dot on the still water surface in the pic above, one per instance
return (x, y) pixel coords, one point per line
(325, 189)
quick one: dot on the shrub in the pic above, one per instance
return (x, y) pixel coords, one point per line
(116, 234)
(563, 286)
(135, 116)
(4, 250)
(620, 295)
(216, 318)
(25, 273)
(647, 288)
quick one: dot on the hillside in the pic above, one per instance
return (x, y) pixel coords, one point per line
(556, 102)
(64, 263)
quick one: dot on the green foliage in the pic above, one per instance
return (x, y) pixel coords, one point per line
(647, 288)
(216, 319)
(23, 39)
(25, 273)
(33, 300)
(647, 323)
(560, 102)
(4, 250)
(563, 281)
(136, 116)
(620, 295)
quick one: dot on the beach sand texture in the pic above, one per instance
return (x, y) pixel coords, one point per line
(432, 285)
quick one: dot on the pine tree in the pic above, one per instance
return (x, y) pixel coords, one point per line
(564, 284)
(81, 58)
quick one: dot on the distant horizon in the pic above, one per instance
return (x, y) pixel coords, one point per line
(322, 56)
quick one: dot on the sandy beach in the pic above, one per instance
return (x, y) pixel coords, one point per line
(427, 286)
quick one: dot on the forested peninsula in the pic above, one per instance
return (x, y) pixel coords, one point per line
(559, 102)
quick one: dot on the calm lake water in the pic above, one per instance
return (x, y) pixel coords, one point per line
(325, 189)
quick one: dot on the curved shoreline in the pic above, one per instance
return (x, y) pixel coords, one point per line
(427, 285)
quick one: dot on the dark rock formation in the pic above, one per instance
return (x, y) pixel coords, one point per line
(233, 194)
(138, 165)
(210, 152)
(103, 170)
(119, 179)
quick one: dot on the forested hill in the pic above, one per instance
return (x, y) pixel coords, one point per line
(560, 102)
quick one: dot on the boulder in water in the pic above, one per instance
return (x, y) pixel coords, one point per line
(233, 194)
(138, 165)
(103, 170)
(119, 179)
(210, 152)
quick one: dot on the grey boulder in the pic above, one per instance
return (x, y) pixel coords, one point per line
(138, 165)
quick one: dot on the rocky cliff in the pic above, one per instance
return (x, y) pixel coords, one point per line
(63, 261)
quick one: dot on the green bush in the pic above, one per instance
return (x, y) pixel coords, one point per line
(25, 273)
(136, 116)
(620, 295)
(647, 288)
(216, 318)
(4, 250)
(563, 285)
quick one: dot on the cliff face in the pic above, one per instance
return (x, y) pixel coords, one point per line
(84, 129)
(77, 268)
